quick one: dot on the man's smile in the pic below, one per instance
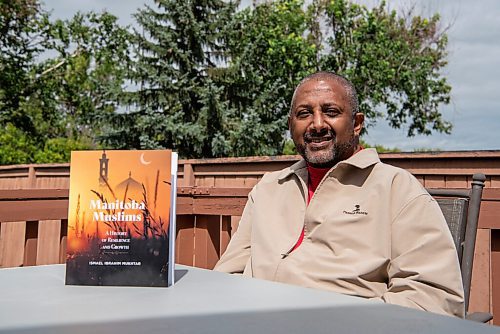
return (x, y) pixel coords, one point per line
(316, 142)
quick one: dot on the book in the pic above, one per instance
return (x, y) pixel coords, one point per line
(121, 218)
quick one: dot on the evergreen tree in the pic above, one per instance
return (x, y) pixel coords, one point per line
(177, 104)
(206, 80)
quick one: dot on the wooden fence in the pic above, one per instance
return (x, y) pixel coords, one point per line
(211, 196)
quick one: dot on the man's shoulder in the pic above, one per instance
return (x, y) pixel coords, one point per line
(282, 174)
(384, 175)
(392, 170)
(369, 158)
(401, 180)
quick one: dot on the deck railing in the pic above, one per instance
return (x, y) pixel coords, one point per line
(211, 197)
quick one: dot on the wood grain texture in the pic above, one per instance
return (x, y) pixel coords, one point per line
(419, 163)
(184, 242)
(489, 216)
(49, 242)
(12, 236)
(456, 181)
(495, 275)
(33, 210)
(480, 296)
(30, 248)
(188, 177)
(434, 181)
(207, 241)
(225, 233)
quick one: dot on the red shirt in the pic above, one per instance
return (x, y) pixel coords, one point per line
(315, 177)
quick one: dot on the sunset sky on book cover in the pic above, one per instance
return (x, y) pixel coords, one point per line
(118, 219)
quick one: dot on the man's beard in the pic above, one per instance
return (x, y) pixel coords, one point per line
(327, 158)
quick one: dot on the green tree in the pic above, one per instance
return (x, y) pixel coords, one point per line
(86, 76)
(59, 149)
(50, 106)
(177, 105)
(15, 146)
(395, 62)
(269, 55)
(20, 23)
(21, 43)
(203, 78)
(379, 148)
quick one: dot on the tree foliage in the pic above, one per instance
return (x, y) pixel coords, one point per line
(394, 62)
(177, 104)
(88, 73)
(58, 80)
(269, 54)
(20, 26)
(204, 77)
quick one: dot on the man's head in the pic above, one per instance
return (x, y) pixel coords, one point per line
(324, 120)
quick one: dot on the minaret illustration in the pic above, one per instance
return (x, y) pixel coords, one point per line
(103, 169)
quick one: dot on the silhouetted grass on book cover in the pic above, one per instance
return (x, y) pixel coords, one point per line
(144, 263)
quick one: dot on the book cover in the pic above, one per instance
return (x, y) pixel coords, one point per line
(121, 218)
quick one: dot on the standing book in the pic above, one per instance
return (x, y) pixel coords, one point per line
(121, 219)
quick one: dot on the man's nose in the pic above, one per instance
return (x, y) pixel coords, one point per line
(318, 122)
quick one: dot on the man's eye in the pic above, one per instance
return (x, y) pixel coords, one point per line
(331, 112)
(303, 114)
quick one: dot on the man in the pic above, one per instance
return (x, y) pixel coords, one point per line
(340, 219)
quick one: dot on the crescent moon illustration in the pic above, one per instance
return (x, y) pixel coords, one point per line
(143, 161)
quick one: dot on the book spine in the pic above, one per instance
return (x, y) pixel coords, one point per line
(172, 227)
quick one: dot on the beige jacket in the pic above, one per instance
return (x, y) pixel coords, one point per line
(371, 230)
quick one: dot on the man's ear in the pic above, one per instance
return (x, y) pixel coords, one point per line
(289, 120)
(359, 121)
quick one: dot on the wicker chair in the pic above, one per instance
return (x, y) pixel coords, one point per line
(461, 211)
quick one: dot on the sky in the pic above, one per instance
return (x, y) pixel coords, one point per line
(473, 69)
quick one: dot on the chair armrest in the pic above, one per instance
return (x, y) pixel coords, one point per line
(479, 317)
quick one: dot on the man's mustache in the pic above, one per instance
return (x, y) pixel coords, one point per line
(323, 134)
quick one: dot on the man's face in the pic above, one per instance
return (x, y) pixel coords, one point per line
(322, 124)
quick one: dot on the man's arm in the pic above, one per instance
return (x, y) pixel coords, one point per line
(235, 258)
(424, 272)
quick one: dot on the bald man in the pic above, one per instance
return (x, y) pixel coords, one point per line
(340, 219)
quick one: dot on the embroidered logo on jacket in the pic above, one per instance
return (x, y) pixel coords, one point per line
(356, 211)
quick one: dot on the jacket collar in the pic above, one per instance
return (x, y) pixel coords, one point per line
(361, 160)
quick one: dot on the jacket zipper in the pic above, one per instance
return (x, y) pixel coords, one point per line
(287, 253)
(304, 230)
